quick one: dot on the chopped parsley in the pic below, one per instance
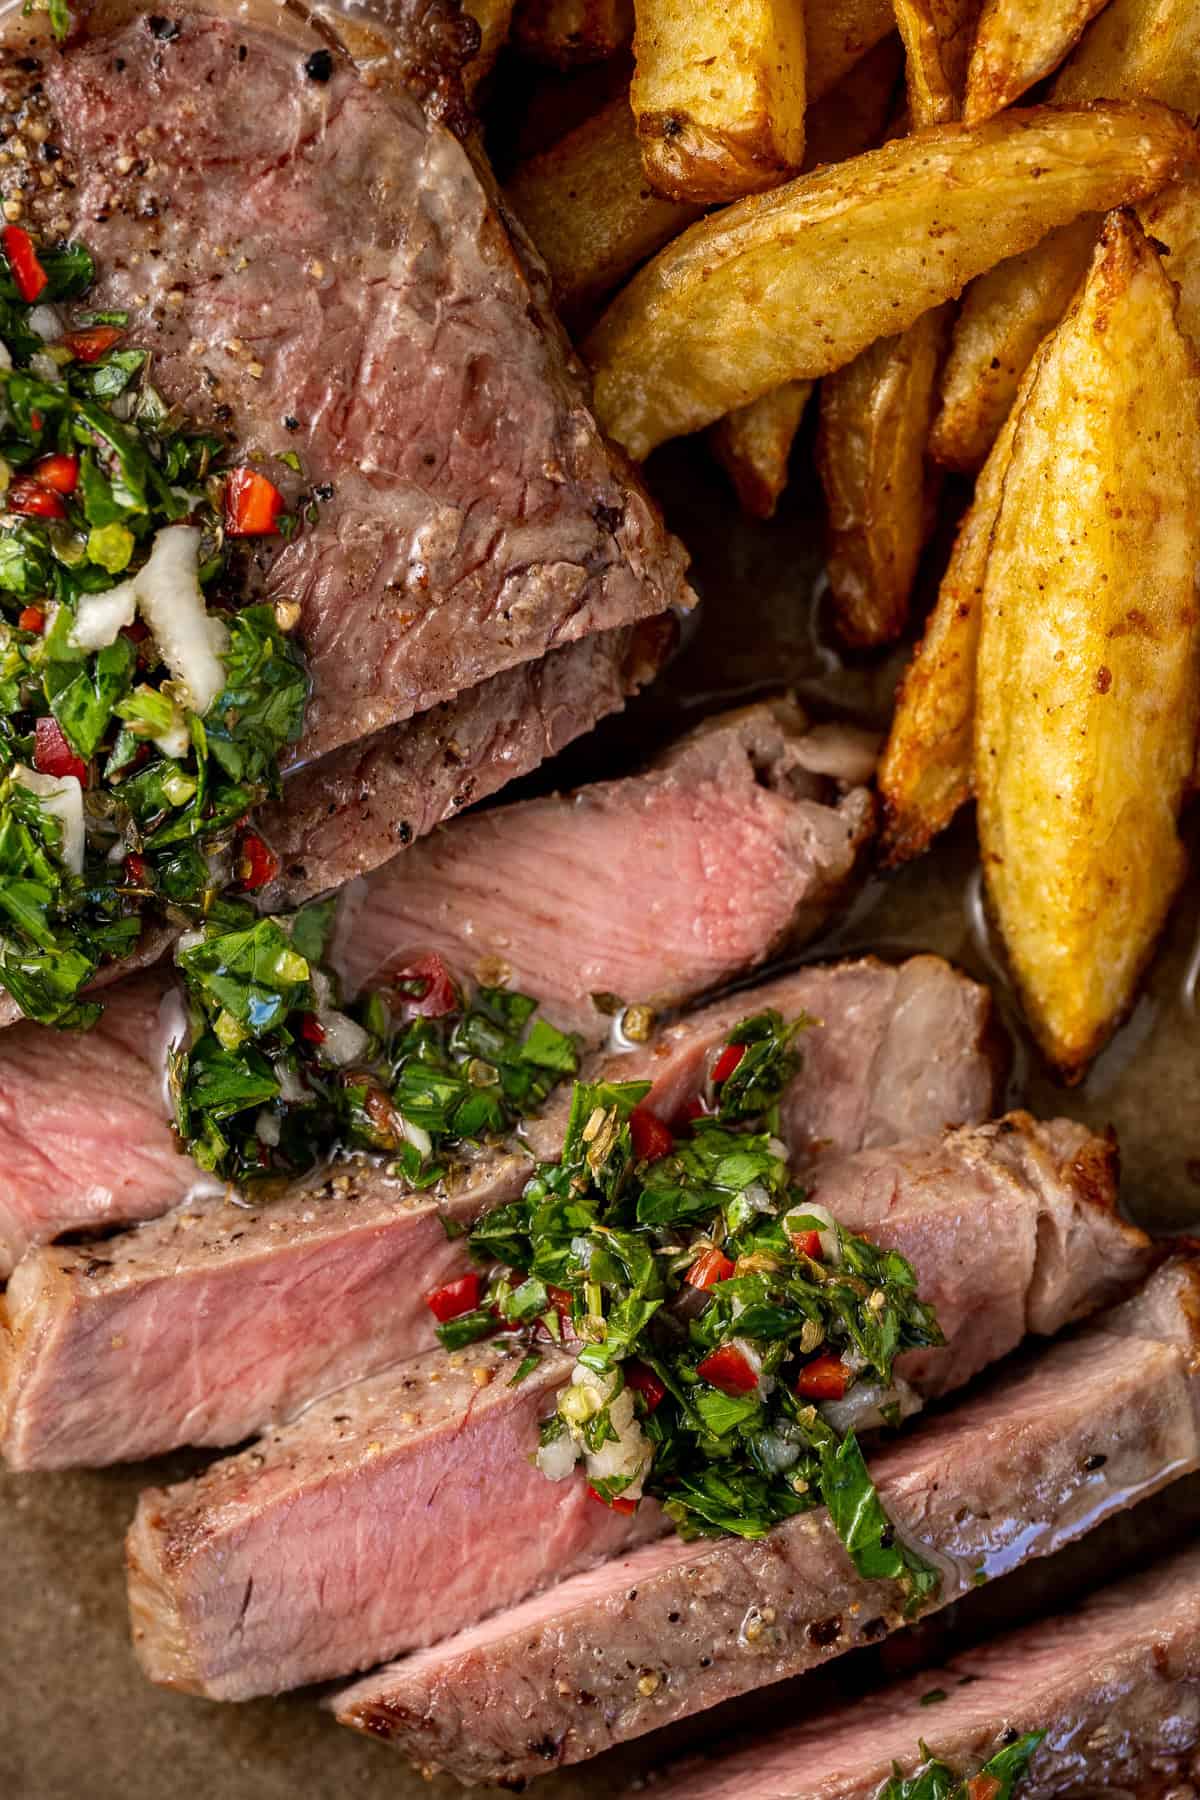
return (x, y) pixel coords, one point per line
(121, 796)
(711, 1315)
(276, 1077)
(998, 1779)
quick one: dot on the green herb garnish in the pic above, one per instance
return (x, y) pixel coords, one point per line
(998, 1779)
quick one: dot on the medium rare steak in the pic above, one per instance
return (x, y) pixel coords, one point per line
(1030, 1463)
(333, 1523)
(744, 837)
(320, 271)
(1115, 1685)
(34, 1210)
(317, 1287)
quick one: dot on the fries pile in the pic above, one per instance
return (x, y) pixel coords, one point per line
(976, 225)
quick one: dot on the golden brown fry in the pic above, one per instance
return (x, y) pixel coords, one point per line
(875, 417)
(838, 33)
(926, 772)
(718, 95)
(1089, 652)
(1172, 218)
(1136, 50)
(854, 115)
(588, 207)
(792, 284)
(493, 18)
(937, 40)
(1003, 318)
(565, 33)
(1018, 43)
(754, 443)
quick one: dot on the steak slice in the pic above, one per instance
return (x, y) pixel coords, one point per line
(354, 1526)
(655, 888)
(1115, 1685)
(1032, 1462)
(317, 1287)
(320, 270)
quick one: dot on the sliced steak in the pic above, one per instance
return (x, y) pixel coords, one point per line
(87, 1329)
(319, 269)
(1032, 1462)
(334, 1517)
(655, 888)
(1115, 1685)
(347, 813)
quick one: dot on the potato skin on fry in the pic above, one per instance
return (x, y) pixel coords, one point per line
(1089, 652)
(718, 94)
(792, 284)
(588, 207)
(1017, 44)
(753, 445)
(875, 417)
(927, 769)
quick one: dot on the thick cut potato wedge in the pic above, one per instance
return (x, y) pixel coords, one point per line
(1136, 50)
(591, 212)
(1172, 218)
(875, 417)
(790, 285)
(1003, 318)
(1018, 43)
(837, 34)
(493, 18)
(565, 33)
(718, 95)
(1089, 652)
(937, 42)
(754, 443)
(927, 769)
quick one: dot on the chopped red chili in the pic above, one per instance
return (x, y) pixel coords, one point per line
(59, 473)
(730, 1369)
(455, 1298)
(727, 1062)
(708, 1269)
(52, 755)
(252, 504)
(807, 1243)
(255, 864)
(651, 1138)
(617, 1504)
(645, 1382)
(89, 345)
(136, 872)
(27, 271)
(31, 618)
(984, 1787)
(311, 1029)
(426, 987)
(825, 1378)
(29, 498)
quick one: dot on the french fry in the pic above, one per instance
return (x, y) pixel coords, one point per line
(1003, 318)
(926, 772)
(1136, 50)
(754, 442)
(1017, 44)
(876, 412)
(565, 33)
(718, 95)
(493, 18)
(588, 207)
(1088, 675)
(1172, 218)
(837, 34)
(790, 285)
(753, 445)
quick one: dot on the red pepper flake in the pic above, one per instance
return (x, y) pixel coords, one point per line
(645, 1382)
(27, 271)
(727, 1062)
(32, 500)
(52, 755)
(825, 1378)
(311, 1029)
(983, 1787)
(455, 1298)
(90, 345)
(708, 1269)
(730, 1369)
(255, 864)
(651, 1138)
(31, 618)
(426, 987)
(618, 1503)
(252, 504)
(136, 872)
(58, 473)
(807, 1243)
